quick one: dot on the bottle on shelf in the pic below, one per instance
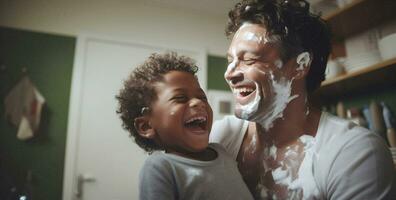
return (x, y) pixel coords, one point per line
(355, 115)
(390, 130)
(377, 119)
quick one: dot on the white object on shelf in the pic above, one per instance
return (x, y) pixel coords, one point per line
(335, 67)
(343, 3)
(362, 43)
(387, 46)
(323, 6)
(362, 60)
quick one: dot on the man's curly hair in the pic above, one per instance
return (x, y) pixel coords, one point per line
(138, 90)
(298, 30)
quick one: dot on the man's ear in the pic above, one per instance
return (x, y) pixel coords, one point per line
(303, 60)
(143, 127)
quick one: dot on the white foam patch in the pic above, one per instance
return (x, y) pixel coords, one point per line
(249, 109)
(272, 151)
(306, 180)
(307, 107)
(267, 116)
(252, 36)
(282, 90)
(233, 64)
(253, 144)
(303, 60)
(278, 64)
(304, 183)
(263, 191)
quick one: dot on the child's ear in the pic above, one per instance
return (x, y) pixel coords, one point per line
(144, 128)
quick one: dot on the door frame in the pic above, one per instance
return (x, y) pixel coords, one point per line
(72, 137)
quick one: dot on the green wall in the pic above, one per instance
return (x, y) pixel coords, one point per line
(216, 67)
(49, 61)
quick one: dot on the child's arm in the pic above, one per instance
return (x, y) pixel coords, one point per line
(156, 180)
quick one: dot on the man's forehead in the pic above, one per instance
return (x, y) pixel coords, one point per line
(249, 28)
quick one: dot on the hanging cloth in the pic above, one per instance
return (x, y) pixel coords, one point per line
(23, 106)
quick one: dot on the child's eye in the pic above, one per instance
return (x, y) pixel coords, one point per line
(180, 98)
(203, 97)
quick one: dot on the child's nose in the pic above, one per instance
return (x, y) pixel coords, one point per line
(195, 102)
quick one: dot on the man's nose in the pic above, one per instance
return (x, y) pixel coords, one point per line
(233, 75)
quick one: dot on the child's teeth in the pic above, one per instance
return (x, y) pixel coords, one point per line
(196, 118)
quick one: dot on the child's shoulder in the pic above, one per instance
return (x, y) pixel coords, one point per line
(157, 158)
(217, 147)
(221, 151)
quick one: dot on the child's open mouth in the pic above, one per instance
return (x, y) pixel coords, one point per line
(197, 124)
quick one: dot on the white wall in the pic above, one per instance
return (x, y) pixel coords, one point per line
(126, 19)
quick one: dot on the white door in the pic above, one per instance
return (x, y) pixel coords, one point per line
(102, 161)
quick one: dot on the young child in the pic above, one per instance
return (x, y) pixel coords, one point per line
(164, 108)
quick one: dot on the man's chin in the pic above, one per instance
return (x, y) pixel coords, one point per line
(241, 114)
(238, 113)
(248, 115)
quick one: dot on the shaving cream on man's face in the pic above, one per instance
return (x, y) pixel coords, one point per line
(260, 95)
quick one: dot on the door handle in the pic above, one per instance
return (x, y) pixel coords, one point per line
(81, 179)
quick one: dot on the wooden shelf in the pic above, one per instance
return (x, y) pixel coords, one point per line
(359, 16)
(382, 74)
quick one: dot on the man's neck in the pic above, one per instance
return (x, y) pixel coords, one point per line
(298, 119)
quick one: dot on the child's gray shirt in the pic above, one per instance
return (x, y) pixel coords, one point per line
(168, 176)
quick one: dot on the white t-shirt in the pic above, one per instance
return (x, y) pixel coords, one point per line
(168, 177)
(350, 162)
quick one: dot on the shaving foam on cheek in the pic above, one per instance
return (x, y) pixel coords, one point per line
(249, 109)
(281, 97)
(303, 60)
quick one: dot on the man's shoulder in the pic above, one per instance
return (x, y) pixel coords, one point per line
(349, 154)
(342, 137)
(229, 125)
(335, 129)
(229, 133)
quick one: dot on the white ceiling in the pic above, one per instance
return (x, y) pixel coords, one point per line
(217, 8)
(207, 7)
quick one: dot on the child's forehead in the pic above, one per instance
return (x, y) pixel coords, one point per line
(179, 77)
(178, 81)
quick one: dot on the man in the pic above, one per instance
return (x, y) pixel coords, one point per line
(289, 149)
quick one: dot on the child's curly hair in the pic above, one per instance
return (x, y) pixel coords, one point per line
(138, 90)
(298, 29)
